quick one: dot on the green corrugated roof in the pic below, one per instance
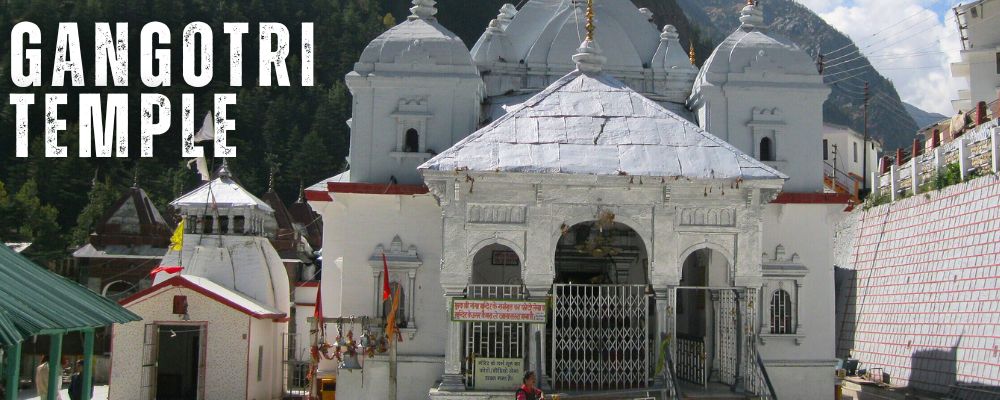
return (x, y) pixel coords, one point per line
(35, 300)
(8, 332)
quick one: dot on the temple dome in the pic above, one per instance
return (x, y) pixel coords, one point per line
(419, 43)
(751, 49)
(547, 32)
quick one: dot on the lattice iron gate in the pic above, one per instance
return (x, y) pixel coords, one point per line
(727, 335)
(494, 339)
(600, 337)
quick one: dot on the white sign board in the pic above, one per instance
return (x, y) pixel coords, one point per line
(532, 312)
(498, 373)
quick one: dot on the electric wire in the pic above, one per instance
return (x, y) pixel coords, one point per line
(877, 33)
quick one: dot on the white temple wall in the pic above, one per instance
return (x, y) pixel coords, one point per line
(443, 111)
(354, 225)
(226, 354)
(807, 355)
(793, 120)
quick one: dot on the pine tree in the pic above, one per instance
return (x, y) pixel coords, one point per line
(102, 196)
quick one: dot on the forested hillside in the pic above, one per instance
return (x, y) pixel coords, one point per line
(299, 131)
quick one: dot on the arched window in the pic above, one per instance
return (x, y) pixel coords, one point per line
(766, 149)
(781, 312)
(397, 290)
(411, 142)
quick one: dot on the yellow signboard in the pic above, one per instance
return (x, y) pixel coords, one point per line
(498, 373)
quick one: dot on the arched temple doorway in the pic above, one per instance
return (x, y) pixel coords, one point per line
(706, 319)
(496, 274)
(600, 321)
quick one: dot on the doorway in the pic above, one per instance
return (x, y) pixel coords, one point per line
(706, 319)
(600, 324)
(179, 362)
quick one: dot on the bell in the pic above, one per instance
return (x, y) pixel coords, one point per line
(350, 362)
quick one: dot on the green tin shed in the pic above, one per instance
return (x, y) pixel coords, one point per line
(35, 301)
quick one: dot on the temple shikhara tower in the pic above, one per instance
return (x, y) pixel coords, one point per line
(573, 197)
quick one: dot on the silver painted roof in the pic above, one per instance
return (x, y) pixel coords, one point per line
(593, 124)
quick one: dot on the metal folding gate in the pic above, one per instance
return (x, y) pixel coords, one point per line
(494, 339)
(600, 337)
(694, 363)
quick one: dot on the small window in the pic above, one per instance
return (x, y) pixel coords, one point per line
(239, 222)
(223, 225)
(766, 149)
(411, 143)
(260, 363)
(781, 313)
(998, 63)
(396, 289)
(206, 224)
(826, 151)
(191, 226)
(855, 147)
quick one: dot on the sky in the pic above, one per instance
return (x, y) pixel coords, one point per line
(910, 42)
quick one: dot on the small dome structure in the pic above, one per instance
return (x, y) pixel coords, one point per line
(751, 49)
(419, 43)
(547, 32)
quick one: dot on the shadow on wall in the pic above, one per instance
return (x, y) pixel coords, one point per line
(845, 282)
(937, 371)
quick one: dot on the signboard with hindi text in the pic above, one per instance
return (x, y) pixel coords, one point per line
(479, 310)
(498, 373)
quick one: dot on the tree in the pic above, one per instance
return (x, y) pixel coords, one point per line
(101, 197)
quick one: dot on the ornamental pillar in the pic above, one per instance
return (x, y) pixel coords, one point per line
(663, 304)
(452, 380)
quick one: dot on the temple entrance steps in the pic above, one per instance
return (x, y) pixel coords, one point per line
(714, 391)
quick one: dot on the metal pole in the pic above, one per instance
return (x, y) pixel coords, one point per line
(87, 376)
(392, 367)
(864, 163)
(55, 366)
(13, 371)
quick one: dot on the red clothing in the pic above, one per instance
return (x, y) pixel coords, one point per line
(524, 393)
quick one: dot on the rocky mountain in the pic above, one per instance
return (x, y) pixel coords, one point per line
(923, 118)
(888, 119)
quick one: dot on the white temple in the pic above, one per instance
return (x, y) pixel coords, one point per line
(673, 220)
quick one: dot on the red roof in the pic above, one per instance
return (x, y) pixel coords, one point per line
(225, 296)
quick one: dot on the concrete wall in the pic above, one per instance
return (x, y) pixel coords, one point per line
(228, 332)
(919, 290)
(355, 224)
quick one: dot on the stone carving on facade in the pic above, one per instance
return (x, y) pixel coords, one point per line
(708, 217)
(780, 256)
(496, 214)
(403, 265)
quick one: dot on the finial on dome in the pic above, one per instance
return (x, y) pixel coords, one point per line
(223, 171)
(506, 15)
(751, 16)
(588, 57)
(590, 20)
(669, 33)
(691, 55)
(423, 9)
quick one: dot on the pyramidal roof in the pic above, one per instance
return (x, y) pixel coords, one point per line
(222, 191)
(593, 124)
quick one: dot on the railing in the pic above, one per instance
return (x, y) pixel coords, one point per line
(840, 181)
(691, 360)
(757, 381)
(493, 339)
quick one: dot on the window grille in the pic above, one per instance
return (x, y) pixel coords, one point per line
(781, 312)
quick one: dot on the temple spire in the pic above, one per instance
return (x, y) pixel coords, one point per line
(588, 57)
(423, 9)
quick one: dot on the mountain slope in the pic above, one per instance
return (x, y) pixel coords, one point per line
(923, 118)
(888, 119)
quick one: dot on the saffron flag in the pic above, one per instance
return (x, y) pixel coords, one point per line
(386, 290)
(169, 270)
(318, 312)
(390, 321)
(177, 240)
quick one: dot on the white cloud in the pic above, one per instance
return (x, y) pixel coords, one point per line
(907, 42)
